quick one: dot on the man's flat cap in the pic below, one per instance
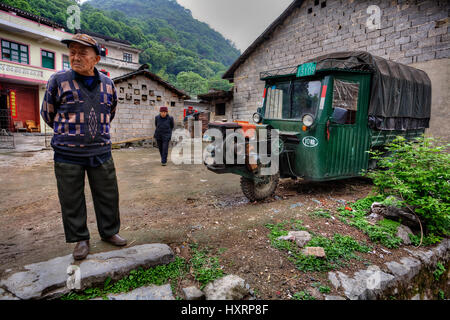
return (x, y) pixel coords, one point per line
(83, 39)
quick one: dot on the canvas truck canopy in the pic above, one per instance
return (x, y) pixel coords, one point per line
(400, 97)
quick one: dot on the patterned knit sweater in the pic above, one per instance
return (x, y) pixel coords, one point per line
(80, 117)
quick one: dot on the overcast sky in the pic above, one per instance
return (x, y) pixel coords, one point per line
(241, 21)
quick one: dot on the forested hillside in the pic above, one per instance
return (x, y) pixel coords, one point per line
(176, 46)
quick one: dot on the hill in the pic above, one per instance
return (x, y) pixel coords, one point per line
(176, 46)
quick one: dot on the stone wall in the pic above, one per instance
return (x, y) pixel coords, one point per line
(412, 32)
(139, 102)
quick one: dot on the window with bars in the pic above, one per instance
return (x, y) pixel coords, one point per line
(128, 57)
(66, 62)
(48, 59)
(15, 52)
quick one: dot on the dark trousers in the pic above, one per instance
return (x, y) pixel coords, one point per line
(105, 195)
(163, 146)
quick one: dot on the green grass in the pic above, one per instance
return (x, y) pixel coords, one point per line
(302, 295)
(338, 250)
(158, 275)
(320, 214)
(384, 231)
(205, 268)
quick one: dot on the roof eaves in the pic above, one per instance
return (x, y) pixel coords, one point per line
(154, 77)
(31, 16)
(229, 74)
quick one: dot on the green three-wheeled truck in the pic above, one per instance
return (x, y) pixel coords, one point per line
(328, 112)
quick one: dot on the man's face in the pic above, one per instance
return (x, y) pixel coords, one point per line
(163, 114)
(82, 58)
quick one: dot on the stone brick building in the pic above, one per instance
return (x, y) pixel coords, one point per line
(141, 94)
(220, 104)
(413, 32)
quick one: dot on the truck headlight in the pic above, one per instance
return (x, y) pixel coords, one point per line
(308, 120)
(257, 117)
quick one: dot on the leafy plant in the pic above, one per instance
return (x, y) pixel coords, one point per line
(303, 295)
(324, 289)
(440, 269)
(204, 268)
(417, 171)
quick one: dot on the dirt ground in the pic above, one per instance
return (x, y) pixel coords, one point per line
(176, 205)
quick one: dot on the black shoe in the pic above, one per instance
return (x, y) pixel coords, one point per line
(164, 164)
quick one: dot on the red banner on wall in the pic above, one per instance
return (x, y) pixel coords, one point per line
(13, 104)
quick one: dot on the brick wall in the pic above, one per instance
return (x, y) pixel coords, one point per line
(139, 105)
(411, 32)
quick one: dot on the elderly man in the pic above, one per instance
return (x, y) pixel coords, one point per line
(79, 105)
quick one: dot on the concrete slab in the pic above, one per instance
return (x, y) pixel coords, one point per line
(58, 276)
(146, 293)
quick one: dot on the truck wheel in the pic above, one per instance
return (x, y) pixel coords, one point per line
(256, 191)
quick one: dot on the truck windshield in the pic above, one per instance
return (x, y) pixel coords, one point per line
(292, 99)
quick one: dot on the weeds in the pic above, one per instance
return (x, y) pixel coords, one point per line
(337, 250)
(320, 214)
(384, 231)
(204, 268)
(440, 269)
(158, 275)
(302, 295)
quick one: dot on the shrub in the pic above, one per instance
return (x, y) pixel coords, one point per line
(417, 171)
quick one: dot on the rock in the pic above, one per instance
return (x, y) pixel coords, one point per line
(316, 201)
(377, 208)
(230, 287)
(334, 280)
(406, 270)
(394, 212)
(145, 293)
(287, 238)
(295, 205)
(315, 293)
(6, 296)
(334, 298)
(365, 284)
(403, 233)
(301, 238)
(193, 293)
(318, 252)
(425, 256)
(374, 217)
(49, 279)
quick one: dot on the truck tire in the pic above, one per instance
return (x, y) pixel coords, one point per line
(259, 191)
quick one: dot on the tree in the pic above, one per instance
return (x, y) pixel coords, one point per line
(192, 83)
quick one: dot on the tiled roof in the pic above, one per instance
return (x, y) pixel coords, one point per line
(145, 72)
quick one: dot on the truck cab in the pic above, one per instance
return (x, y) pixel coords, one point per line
(329, 113)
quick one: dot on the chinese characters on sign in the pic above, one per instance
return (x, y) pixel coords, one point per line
(24, 71)
(13, 104)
